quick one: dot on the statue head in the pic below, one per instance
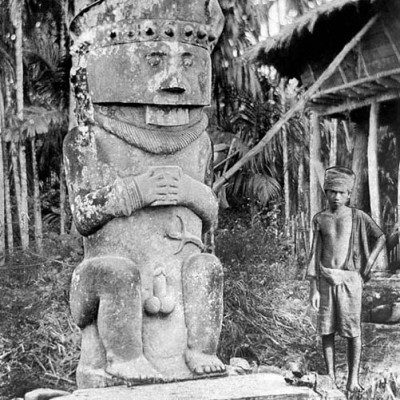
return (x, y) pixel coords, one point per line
(147, 52)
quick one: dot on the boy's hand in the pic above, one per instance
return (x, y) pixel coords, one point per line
(314, 296)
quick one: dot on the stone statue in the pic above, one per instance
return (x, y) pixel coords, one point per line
(148, 300)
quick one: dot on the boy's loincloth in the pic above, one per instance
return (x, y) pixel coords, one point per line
(340, 302)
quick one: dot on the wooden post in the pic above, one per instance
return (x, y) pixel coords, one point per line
(315, 166)
(360, 166)
(373, 178)
(398, 198)
(333, 125)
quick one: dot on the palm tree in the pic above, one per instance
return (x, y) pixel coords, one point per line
(41, 108)
(19, 163)
(247, 102)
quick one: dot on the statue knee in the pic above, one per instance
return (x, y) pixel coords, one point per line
(97, 277)
(83, 296)
(116, 275)
(204, 266)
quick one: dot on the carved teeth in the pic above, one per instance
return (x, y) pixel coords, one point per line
(149, 31)
(188, 31)
(169, 32)
(201, 34)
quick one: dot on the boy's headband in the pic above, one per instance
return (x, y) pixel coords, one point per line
(339, 179)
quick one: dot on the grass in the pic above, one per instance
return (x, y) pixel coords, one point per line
(267, 319)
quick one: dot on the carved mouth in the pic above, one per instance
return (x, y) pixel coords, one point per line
(174, 90)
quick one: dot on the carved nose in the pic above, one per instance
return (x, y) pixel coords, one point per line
(173, 85)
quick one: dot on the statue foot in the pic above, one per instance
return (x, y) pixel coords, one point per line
(202, 364)
(138, 370)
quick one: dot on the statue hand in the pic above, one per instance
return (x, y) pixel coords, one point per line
(159, 185)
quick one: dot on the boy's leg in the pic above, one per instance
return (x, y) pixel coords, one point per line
(328, 347)
(349, 306)
(353, 359)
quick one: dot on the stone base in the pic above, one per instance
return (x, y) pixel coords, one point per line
(254, 387)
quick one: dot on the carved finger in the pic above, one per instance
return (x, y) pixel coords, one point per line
(173, 190)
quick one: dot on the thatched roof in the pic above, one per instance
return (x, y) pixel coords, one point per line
(314, 37)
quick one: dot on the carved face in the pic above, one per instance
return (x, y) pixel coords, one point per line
(159, 73)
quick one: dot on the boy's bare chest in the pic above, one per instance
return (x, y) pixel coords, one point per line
(337, 229)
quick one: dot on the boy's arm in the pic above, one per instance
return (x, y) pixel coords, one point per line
(378, 246)
(313, 265)
(315, 253)
(373, 231)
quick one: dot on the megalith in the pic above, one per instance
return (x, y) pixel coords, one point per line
(147, 296)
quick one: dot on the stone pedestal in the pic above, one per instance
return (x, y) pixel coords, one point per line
(254, 387)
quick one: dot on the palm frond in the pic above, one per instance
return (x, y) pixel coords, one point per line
(264, 188)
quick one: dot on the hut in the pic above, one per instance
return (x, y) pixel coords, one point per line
(346, 53)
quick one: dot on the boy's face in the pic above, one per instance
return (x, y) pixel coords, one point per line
(337, 198)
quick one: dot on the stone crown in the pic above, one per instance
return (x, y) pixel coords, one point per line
(103, 23)
(145, 30)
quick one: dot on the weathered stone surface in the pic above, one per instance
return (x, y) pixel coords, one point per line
(327, 388)
(45, 394)
(146, 296)
(386, 314)
(254, 387)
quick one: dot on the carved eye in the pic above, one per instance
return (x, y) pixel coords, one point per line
(187, 59)
(155, 58)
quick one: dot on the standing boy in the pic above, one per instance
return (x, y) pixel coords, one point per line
(345, 247)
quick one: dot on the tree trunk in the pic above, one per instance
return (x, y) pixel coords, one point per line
(17, 187)
(2, 185)
(10, 230)
(23, 217)
(398, 198)
(316, 166)
(360, 196)
(6, 158)
(63, 197)
(300, 184)
(285, 158)
(36, 200)
(24, 197)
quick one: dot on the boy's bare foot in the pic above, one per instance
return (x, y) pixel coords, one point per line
(202, 364)
(354, 387)
(136, 370)
(332, 377)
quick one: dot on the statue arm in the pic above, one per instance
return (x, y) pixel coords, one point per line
(93, 209)
(93, 201)
(199, 196)
(201, 199)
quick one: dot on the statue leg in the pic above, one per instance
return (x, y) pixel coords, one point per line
(202, 292)
(108, 290)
